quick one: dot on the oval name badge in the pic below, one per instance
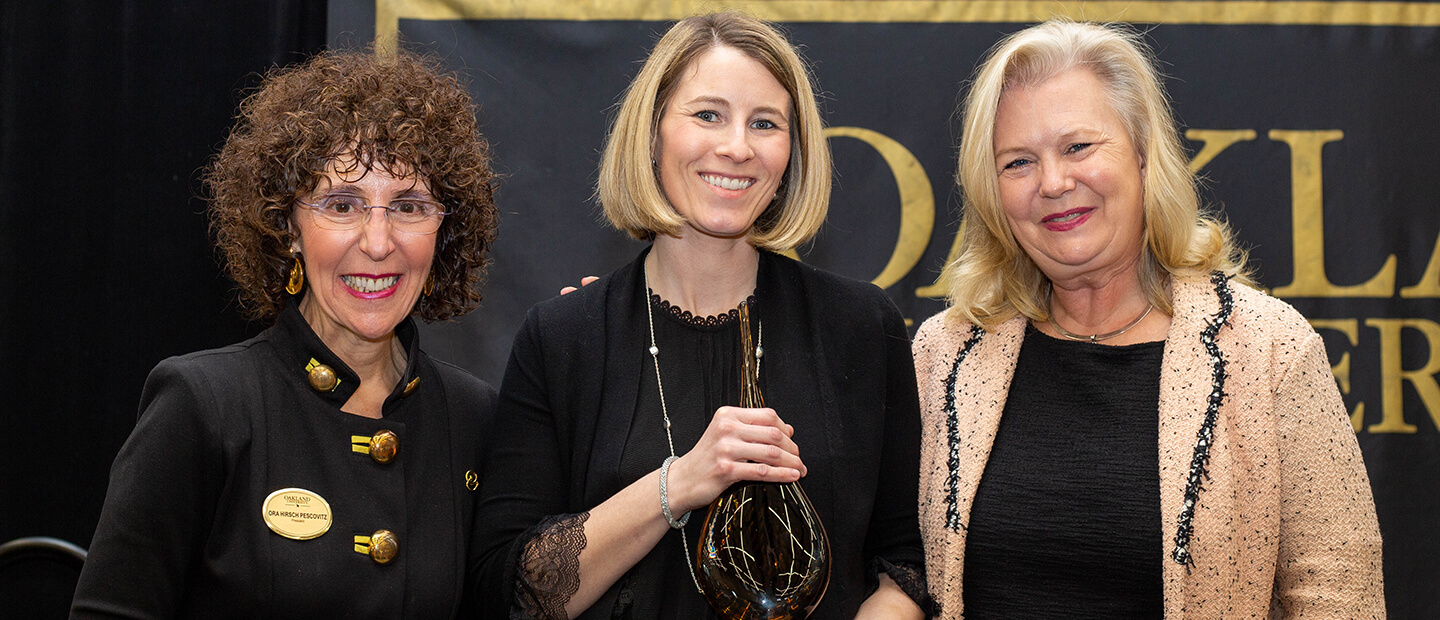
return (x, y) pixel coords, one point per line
(296, 513)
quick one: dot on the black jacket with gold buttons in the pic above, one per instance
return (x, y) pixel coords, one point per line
(187, 531)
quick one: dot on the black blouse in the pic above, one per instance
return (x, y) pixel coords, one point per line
(1066, 520)
(700, 368)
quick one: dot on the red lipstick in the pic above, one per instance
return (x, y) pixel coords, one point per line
(1080, 216)
(354, 282)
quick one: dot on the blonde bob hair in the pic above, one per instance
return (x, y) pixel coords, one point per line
(992, 279)
(629, 186)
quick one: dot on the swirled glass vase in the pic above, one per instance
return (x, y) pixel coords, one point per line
(763, 553)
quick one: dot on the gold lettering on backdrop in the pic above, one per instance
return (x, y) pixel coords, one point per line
(1215, 141)
(1392, 374)
(1429, 285)
(917, 201)
(1341, 369)
(1307, 216)
(937, 290)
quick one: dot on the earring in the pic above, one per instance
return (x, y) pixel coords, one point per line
(430, 284)
(297, 278)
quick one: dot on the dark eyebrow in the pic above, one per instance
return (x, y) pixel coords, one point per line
(414, 191)
(343, 189)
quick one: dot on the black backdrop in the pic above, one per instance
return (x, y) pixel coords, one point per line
(107, 112)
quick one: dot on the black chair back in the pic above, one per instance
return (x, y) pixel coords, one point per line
(38, 576)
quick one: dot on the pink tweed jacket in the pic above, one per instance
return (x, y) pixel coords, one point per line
(1266, 509)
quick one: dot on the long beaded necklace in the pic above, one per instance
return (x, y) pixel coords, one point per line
(679, 524)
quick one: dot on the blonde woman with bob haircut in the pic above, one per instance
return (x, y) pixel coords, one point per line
(1116, 423)
(629, 189)
(618, 398)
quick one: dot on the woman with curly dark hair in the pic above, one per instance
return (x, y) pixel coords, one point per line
(326, 467)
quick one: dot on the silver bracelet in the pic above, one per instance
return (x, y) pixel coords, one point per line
(665, 496)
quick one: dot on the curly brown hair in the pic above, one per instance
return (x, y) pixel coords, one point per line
(400, 114)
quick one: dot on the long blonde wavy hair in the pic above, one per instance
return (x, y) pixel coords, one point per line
(992, 279)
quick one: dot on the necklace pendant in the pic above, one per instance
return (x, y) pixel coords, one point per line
(1095, 338)
(654, 350)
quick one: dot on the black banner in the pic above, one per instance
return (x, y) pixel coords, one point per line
(1310, 123)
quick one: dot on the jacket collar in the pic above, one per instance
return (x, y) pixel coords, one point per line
(300, 349)
(1192, 392)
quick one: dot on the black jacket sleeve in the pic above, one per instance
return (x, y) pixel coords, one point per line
(894, 532)
(525, 474)
(163, 490)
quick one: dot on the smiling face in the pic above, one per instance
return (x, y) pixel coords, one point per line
(1070, 179)
(723, 143)
(361, 283)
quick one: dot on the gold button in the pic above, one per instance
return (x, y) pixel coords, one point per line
(384, 546)
(384, 447)
(410, 387)
(323, 378)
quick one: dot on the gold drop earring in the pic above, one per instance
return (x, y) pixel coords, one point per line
(296, 283)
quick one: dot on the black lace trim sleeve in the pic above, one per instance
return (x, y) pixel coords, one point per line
(547, 571)
(912, 582)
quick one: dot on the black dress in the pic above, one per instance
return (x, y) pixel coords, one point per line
(182, 533)
(582, 421)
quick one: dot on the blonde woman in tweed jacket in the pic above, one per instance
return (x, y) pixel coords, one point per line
(1116, 423)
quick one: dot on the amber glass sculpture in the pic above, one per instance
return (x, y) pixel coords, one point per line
(763, 553)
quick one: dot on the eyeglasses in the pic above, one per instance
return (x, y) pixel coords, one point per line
(348, 212)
